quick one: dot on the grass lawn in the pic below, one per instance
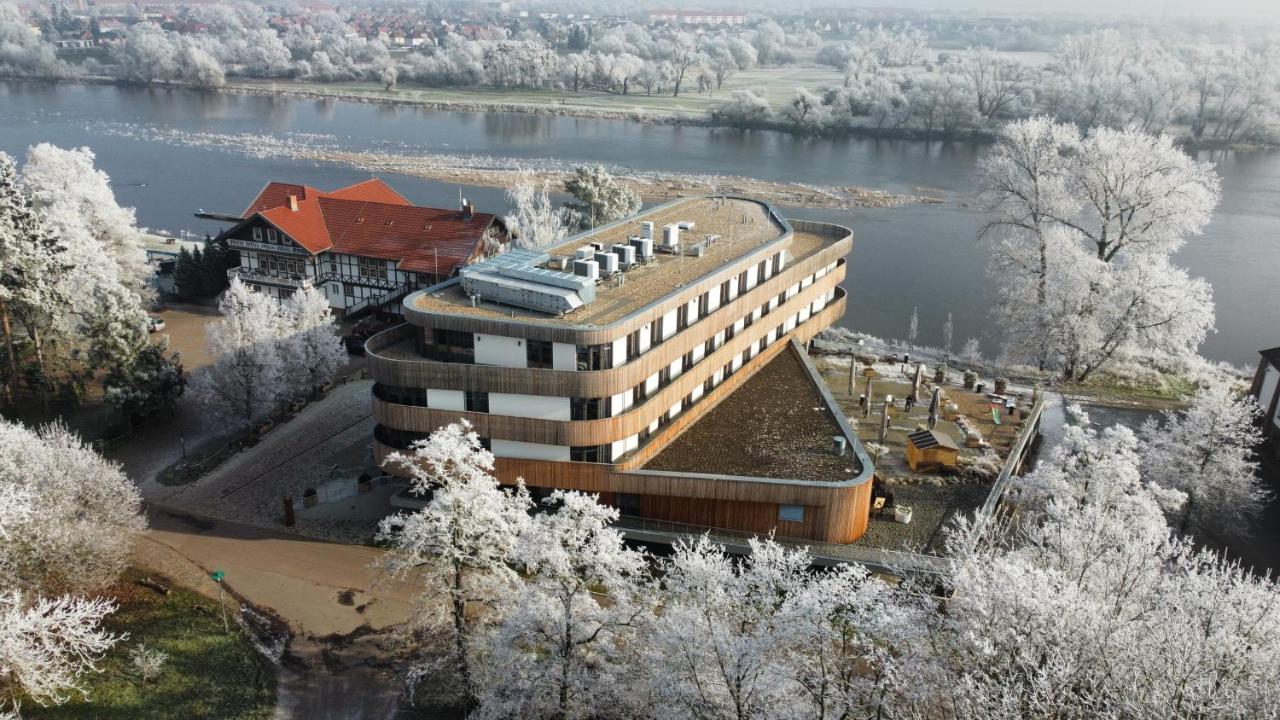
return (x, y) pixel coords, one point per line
(209, 674)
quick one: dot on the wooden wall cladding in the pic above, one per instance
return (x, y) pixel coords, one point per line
(833, 513)
(596, 383)
(599, 432)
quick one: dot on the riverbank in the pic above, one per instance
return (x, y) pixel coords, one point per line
(503, 172)
(776, 85)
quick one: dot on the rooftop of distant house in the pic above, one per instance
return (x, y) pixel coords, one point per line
(370, 219)
(778, 425)
(1272, 356)
(739, 226)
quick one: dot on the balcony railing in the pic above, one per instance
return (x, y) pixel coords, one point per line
(266, 247)
(261, 276)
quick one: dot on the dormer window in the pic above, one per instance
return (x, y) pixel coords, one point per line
(257, 234)
(273, 236)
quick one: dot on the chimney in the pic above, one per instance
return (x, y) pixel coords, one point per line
(467, 210)
(293, 203)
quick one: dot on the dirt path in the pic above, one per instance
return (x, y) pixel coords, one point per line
(343, 614)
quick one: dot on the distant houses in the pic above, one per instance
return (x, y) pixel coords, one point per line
(696, 17)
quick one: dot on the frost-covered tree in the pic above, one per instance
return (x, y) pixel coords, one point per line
(77, 196)
(242, 386)
(84, 514)
(47, 645)
(598, 197)
(1084, 605)
(743, 109)
(311, 350)
(999, 86)
(561, 651)
(33, 262)
(1207, 452)
(458, 548)
(721, 639)
(1081, 234)
(535, 222)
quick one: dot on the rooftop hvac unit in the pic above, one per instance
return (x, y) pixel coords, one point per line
(586, 252)
(646, 229)
(586, 268)
(626, 255)
(685, 224)
(608, 263)
(644, 248)
(699, 250)
(670, 235)
(597, 246)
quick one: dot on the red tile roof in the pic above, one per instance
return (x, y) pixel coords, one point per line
(372, 220)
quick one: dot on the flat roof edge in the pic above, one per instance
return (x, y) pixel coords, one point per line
(865, 475)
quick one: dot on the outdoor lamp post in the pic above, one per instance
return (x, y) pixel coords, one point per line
(217, 576)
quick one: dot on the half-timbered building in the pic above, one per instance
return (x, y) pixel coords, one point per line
(365, 246)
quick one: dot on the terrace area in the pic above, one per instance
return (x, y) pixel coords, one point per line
(935, 497)
(777, 425)
(743, 226)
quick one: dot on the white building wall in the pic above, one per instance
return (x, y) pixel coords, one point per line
(676, 367)
(753, 276)
(620, 351)
(563, 356)
(669, 324)
(501, 351)
(651, 384)
(529, 451)
(713, 300)
(446, 400)
(1270, 380)
(541, 407)
(645, 340)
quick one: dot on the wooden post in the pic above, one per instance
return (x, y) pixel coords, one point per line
(288, 511)
(853, 368)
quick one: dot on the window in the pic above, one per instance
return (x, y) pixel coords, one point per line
(704, 304)
(475, 401)
(682, 318)
(655, 333)
(595, 357)
(401, 395)
(633, 345)
(791, 513)
(592, 453)
(449, 346)
(257, 234)
(724, 293)
(588, 408)
(538, 353)
(348, 290)
(372, 268)
(273, 237)
(640, 392)
(688, 361)
(628, 504)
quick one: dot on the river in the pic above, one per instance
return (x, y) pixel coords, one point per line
(921, 256)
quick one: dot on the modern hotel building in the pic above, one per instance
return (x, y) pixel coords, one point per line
(590, 366)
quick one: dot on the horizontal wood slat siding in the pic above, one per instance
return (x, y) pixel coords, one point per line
(423, 373)
(833, 513)
(599, 432)
(842, 241)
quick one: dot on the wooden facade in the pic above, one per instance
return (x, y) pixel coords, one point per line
(833, 511)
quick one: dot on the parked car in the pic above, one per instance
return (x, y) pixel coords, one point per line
(155, 323)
